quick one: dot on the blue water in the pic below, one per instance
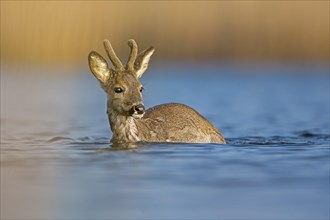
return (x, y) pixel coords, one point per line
(56, 161)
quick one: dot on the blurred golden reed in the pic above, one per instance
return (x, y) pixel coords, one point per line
(64, 32)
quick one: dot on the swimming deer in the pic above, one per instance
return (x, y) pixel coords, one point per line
(129, 121)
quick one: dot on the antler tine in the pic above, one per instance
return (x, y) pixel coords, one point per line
(111, 54)
(134, 49)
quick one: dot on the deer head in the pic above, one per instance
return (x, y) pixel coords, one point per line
(121, 83)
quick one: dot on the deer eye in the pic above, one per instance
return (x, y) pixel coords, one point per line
(141, 89)
(118, 90)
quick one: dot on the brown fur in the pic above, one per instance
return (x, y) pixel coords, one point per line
(163, 123)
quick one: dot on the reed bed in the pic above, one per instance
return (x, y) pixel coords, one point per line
(64, 32)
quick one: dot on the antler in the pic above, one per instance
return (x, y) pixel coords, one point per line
(113, 57)
(136, 63)
(132, 57)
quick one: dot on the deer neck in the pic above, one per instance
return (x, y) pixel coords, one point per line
(124, 128)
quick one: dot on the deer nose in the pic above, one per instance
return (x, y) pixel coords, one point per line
(139, 109)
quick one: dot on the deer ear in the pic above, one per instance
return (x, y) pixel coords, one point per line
(99, 67)
(142, 61)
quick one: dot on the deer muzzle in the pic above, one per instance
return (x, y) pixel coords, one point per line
(137, 111)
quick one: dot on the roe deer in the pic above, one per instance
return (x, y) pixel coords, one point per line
(128, 119)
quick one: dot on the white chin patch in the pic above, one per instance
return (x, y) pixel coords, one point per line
(136, 115)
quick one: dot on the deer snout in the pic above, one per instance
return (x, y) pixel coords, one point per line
(137, 110)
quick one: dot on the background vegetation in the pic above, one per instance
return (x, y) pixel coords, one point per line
(64, 32)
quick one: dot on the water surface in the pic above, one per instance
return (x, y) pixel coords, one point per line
(56, 160)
